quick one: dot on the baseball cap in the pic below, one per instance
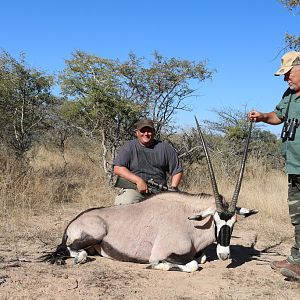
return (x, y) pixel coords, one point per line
(288, 61)
(144, 123)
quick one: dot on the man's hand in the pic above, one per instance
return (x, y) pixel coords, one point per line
(141, 186)
(255, 116)
(173, 189)
(269, 118)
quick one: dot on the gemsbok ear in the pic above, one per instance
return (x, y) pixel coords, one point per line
(205, 213)
(245, 212)
(196, 218)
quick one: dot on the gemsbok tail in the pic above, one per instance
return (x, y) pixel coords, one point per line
(58, 256)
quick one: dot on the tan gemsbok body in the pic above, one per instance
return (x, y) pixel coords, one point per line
(167, 231)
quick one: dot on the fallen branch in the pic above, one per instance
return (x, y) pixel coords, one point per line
(76, 286)
(45, 243)
(14, 265)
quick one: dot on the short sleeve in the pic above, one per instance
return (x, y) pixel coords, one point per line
(123, 157)
(281, 107)
(173, 159)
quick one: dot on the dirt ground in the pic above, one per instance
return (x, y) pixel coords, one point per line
(246, 276)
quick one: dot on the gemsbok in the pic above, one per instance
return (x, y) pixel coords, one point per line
(168, 231)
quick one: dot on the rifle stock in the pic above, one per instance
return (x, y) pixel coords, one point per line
(124, 183)
(153, 186)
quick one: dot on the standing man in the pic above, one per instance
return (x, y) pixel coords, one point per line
(288, 111)
(146, 158)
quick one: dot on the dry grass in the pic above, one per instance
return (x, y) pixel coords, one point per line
(47, 181)
(39, 201)
(262, 189)
(268, 194)
(48, 185)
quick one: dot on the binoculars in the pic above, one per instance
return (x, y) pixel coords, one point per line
(289, 129)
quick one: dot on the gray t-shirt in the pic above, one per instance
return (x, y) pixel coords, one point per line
(153, 162)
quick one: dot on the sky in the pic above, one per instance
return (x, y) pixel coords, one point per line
(242, 40)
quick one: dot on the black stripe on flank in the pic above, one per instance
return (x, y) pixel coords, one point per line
(116, 254)
(84, 242)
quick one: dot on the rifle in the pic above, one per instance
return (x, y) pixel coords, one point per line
(153, 186)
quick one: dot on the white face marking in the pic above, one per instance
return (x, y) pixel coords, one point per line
(220, 223)
(231, 222)
(223, 252)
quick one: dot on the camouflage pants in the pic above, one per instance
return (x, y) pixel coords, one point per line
(294, 211)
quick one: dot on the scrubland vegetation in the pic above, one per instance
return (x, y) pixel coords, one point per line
(56, 151)
(51, 182)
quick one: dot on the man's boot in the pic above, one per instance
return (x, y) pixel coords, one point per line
(292, 271)
(277, 265)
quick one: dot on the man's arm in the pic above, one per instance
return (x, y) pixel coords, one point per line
(176, 179)
(269, 118)
(125, 173)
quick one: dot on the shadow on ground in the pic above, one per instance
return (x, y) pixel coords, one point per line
(239, 254)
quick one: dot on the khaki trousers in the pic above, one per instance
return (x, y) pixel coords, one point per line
(129, 196)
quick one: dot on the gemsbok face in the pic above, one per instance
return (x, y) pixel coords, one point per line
(225, 215)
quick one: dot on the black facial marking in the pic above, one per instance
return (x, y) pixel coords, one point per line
(223, 238)
(225, 215)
